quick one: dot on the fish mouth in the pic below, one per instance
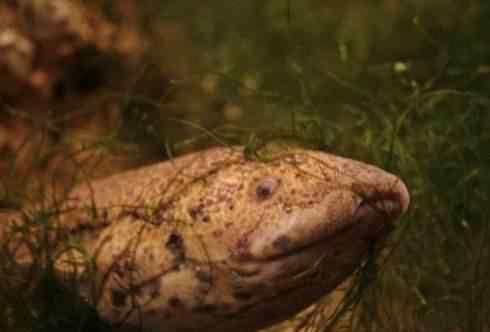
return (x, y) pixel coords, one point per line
(393, 202)
(371, 221)
(366, 215)
(378, 211)
(330, 249)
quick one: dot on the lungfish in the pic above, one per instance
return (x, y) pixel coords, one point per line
(215, 240)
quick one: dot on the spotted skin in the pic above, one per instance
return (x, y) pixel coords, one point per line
(214, 241)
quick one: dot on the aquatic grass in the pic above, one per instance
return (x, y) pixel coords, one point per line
(31, 295)
(31, 299)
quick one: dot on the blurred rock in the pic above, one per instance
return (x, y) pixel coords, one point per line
(54, 57)
(40, 39)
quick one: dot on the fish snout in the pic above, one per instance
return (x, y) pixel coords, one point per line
(378, 209)
(391, 199)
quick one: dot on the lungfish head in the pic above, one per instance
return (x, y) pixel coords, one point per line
(258, 241)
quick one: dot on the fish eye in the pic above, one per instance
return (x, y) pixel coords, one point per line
(266, 187)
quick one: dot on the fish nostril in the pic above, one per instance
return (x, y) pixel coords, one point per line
(391, 203)
(379, 205)
(391, 198)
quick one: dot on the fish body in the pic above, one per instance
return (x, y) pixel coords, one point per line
(216, 241)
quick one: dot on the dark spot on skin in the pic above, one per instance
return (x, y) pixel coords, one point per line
(175, 302)
(195, 211)
(218, 233)
(118, 298)
(282, 243)
(175, 242)
(158, 217)
(164, 205)
(263, 192)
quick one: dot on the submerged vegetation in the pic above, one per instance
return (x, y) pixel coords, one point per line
(400, 84)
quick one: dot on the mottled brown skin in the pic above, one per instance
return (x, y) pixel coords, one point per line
(214, 242)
